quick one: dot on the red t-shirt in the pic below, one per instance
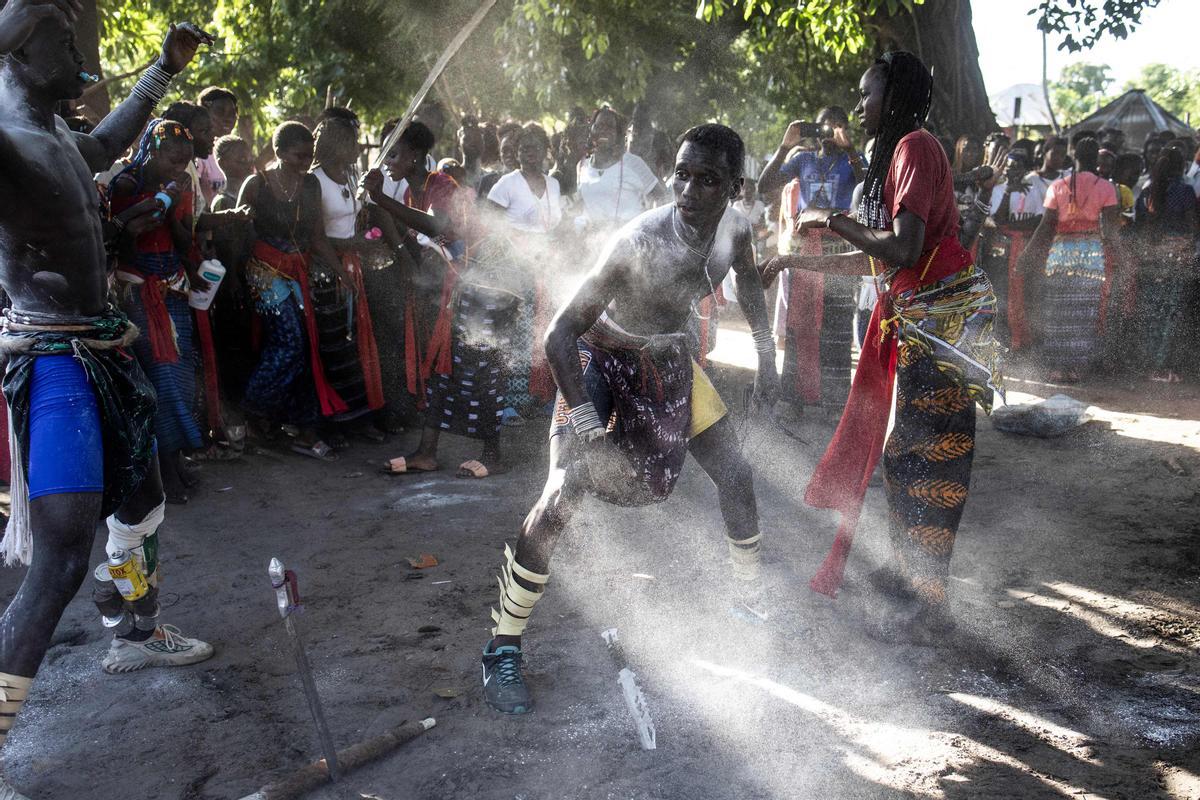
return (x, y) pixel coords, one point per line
(442, 193)
(158, 239)
(920, 181)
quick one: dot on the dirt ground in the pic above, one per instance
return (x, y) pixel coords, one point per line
(1074, 671)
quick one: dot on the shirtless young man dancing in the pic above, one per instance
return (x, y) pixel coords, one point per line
(81, 408)
(632, 400)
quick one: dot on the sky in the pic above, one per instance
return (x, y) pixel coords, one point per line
(1010, 45)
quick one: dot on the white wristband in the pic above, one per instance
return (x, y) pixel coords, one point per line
(764, 341)
(585, 420)
(152, 86)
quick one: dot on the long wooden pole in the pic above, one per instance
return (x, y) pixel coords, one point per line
(438, 66)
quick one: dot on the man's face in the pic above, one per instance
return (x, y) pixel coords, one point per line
(224, 115)
(831, 119)
(1055, 158)
(297, 158)
(703, 184)
(1014, 171)
(509, 149)
(202, 134)
(51, 61)
(1105, 164)
(870, 99)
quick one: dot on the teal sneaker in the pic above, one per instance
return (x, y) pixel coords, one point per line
(503, 684)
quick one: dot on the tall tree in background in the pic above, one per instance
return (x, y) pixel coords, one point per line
(754, 64)
(939, 31)
(1080, 90)
(1178, 91)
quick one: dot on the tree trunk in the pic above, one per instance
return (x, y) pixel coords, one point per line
(940, 32)
(87, 39)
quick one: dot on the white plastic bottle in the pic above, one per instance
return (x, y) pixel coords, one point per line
(212, 271)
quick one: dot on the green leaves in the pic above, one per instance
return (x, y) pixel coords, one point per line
(1081, 89)
(1082, 23)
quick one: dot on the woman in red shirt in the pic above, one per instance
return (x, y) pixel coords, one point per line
(930, 332)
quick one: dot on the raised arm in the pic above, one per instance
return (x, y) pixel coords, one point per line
(119, 129)
(433, 224)
(770, 182)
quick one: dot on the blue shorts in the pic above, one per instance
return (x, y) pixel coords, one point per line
(66, 446)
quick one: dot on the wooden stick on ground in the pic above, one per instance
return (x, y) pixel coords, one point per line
(315, 776)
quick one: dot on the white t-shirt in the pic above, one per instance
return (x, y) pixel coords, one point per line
(1035, 197)
(1192, 177)
(393, 188)
(339, 206)
(525, 211)
(617, 193)
(1019, 205)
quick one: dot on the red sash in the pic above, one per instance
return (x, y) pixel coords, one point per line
(294, 266)
(1018, 322)
(364, 332)
(840, 479)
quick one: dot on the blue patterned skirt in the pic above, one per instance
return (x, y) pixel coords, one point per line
(175, 422)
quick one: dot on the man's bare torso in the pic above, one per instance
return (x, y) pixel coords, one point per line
(51, 243)
(664, 269)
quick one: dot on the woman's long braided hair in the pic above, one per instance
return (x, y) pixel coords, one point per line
(158, 132)
(907, 94)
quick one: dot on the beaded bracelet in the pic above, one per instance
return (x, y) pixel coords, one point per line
(152, 86)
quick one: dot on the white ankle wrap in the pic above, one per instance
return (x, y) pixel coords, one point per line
(132, 537)
(516, 602)
(13, 691)
(746, 555)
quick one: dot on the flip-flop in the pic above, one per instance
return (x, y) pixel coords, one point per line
(319, 451)
(477, 469)
(472, 469)
(399, 466)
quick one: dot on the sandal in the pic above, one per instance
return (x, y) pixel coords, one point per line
(477, 469)
(400, 466)
(318, 450)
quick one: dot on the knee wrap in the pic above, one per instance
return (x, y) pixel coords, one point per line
(140, 539)
(746, 555)
(516, 602)
(13, 691)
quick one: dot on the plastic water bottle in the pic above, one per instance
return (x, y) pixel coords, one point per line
(212, 271)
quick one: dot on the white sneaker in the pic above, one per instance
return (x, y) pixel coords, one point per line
(9, 793)
(166, 648)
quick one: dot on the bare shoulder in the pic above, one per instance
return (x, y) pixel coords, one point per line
(251, 188)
